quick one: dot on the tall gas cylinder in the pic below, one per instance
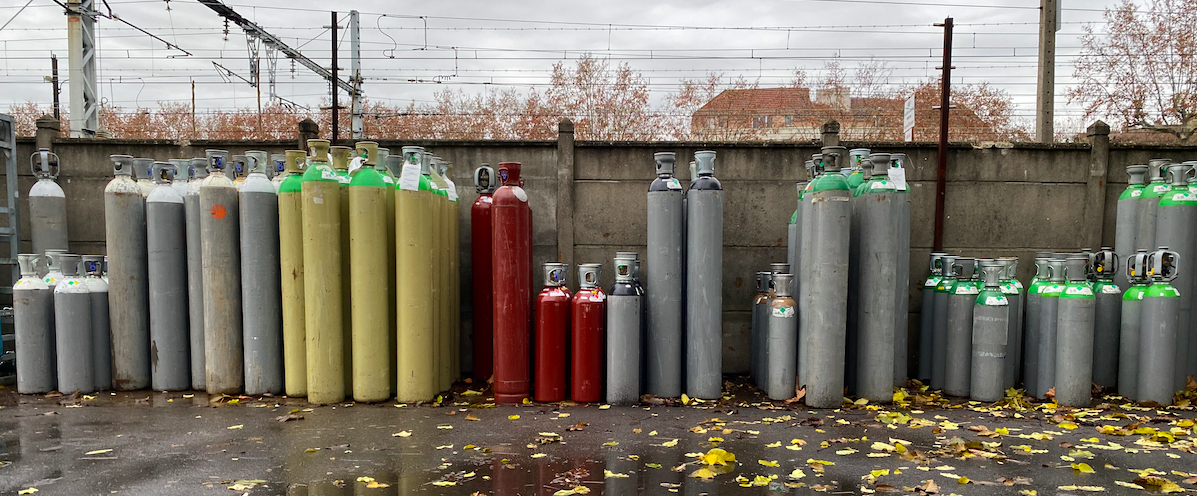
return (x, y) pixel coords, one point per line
(339, 156)
(376, 158)
(624, 312)
(72, 330)
(1157, 336)
(182, 175)
(440, 340)
(413, 276)
(760, 308)
(261, 279)
(663, 281)
(794, 248)
(1156, 186)
(852, 317)
(1132, 324)
(452, 336)
(826, 286)
(1012, 290)
(805, 221)
(101, 333)
(1049, 311)
(877, 206)
(961, 302)
(1074, 336)
(166, 240)
(33, 325)
(482, 266)
(128, 289)
(370, 314)
(781, 338)
(195, 273)
(220, 232)
(1176, 228)
(1107, 318)
(47, 204)
(943, 291)
(927, 316)
(990, 330)
(704, 281)
(897, 175)
(512, 239)
(290, 255)
(1030, 361)
(587, 312)
(144, 174)
(1127, 218)
(322, 302)
(552, 334)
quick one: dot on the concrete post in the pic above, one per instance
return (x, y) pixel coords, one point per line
(1098, 135)
(831, 133)
(308, 129)
(48, 128)
(565, 192)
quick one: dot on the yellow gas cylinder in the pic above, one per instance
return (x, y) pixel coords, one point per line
(413, 232)
(370, 296)
(454, 258)
(290, 231)
(383, 166)
(322, 278)
(440, 284)
(340, 164)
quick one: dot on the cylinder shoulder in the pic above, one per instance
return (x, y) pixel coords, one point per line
(46, 188)
(706, 183)
(164, 193)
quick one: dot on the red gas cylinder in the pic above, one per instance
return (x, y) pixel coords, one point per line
(512, 256)
(552, 330)
(589, 308)
(482, 266)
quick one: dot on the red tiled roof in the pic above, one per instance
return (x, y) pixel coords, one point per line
(760, 98)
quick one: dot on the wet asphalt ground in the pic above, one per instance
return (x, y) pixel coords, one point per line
(189, 443)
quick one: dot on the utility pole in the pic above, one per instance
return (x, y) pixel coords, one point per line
(54, 82)
(335, 107)
(945, 106)
(193, 136)
(1045, 98)
(81, 39)
(355, 67)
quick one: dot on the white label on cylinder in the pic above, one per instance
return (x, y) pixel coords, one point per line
(1110, 289)
(520, 193)
(452, 188)
(898, 176)
(785, 312)
(996, 301)
(409, 177)
(673, 183)
(1079, 290)
(318, 200)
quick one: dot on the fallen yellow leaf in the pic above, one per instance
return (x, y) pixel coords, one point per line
(98, 452)
(609, 474)
(238, 426)
(797, 474)
(401, 434)
(768, 463)
(1083, 468)
(28, 491)
(1092, 489)
(669, 444)
(513, 417)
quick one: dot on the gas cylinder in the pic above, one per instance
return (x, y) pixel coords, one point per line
(960, 328)
(144, 175)
(781, 338)
(1049, 308)
(1157, 336)
(440, 340)
(101, 333)
(552, 332)
(1132, 324)
(1074, 336)
(704, 281)
(221, 245)
(413, 276)
(827, 284)
(195, 273)
(587, 309)
(166, 240)
(1149, 200)
(1107, 318)
(451, 338)
(794, 246)
(72, 330)
(852, 317)
(128, 290)
(805, 220)
(1176, 221)
(877, 320)
(665, 259)
(1191, 361)
(760, 308)
(322, 303)
(939, 350)
(897, 175)
(370, 302)
(482, 267)
(278, 168)
(33, 325)
(927, 316)
(512, 238)
(1030, 361)
(1126, 221)
(623, 336)
(290, 232)
(990, 330)
(1010, 289)
(376, 157)
(858, 161)
(340, 165)
(261, 279)
(182, 175)
(47, 204)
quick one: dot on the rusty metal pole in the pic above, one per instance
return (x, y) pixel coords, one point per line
(941, 177)
(333, 84)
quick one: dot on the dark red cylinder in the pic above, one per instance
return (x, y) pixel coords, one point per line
(511, 231)
(482, 268)
(589, 309)
(552, 335)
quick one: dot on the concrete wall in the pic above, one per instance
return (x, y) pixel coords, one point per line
(588, 200)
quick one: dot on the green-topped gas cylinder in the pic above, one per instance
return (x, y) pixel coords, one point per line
(322, 282)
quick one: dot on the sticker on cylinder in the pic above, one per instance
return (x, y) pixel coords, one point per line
(1078, 290)
(785, 312)
(673, 183)
(996, 301)
(519, 193)
(1110, 289)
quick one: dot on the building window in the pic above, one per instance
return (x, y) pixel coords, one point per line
(789, 120)
(759, 121)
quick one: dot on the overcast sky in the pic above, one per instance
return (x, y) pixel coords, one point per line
(515, 44)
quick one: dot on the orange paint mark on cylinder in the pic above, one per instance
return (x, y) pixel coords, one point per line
(218, 211)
